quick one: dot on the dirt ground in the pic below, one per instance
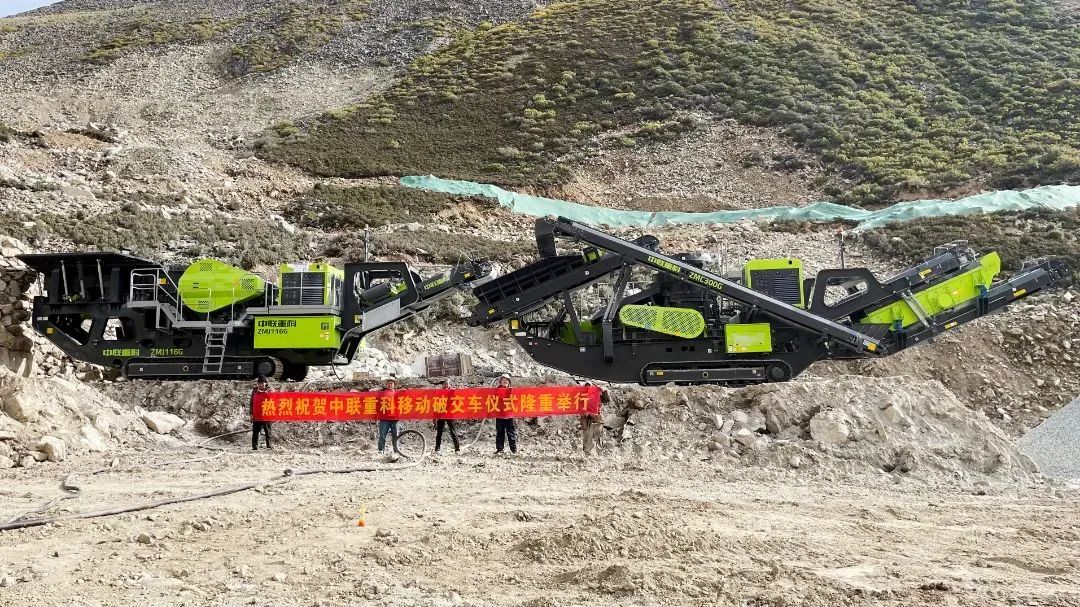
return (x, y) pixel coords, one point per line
(629, 527)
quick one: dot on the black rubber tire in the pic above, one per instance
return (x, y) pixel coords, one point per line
(264, 368)
(410, 450)
(777, 373)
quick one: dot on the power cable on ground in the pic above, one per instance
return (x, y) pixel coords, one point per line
(19, 521)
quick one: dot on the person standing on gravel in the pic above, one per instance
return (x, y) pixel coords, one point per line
(388, 426)
(261, 385)
(505, 430)
(448, 424)
(591, 424)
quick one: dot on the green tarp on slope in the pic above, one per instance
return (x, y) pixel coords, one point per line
(1057, 197)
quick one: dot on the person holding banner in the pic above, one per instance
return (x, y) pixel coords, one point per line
(591, 423)
(261, 385)
(448, 424)
(504, 424)
(388, 426)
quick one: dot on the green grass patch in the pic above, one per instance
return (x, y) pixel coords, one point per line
(295, 30)
(897, 97)
(330, 207)
(1016, 236)
(149, 233)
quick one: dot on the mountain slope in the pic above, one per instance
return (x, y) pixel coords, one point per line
(895, 97)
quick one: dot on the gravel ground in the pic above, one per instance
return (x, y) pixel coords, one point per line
(1053, 445)
(532, 531)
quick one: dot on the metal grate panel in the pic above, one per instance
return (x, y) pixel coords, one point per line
(779, 284)
(680, 322)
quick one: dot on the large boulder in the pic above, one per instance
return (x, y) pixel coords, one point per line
(161, 422)
(93, 440)
(54, 449)
(829, 428)
(21, 406)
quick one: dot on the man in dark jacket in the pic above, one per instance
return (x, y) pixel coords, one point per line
(388, 426)
(261, 385)
(504, 426)
(448, 424)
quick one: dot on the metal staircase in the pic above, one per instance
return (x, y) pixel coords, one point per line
(214, 354)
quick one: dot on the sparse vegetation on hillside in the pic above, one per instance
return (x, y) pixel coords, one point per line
(432, 246)
(148, 233)
(6, 133)
(295, 30)
(332, 207)
(278, 34)
(148, 30)
(897, 97)
(5, 30)
(1016, 236)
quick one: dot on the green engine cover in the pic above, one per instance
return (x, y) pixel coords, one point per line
(780, 278)
(209, 285)
(940, 297)
(748, 338)
(680, 322)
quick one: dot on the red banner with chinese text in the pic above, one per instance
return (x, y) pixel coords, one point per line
(463, 403)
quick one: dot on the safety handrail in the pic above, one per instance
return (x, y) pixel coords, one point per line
(147, 285)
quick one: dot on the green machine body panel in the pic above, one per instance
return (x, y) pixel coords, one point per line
(780, 278)
(940, 297)
(315, 284)
(748, 338)
(680, 322)
(297, 332)
(566, 333)
(209, 285)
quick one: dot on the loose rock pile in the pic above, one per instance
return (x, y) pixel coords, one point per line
(1054, 445)
(16, 343)
(899, 425)
(50, 418)
(23, 350)
(903, 426)
(1017, 367)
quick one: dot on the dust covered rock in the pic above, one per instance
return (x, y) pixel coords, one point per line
(161, 422)
(59, 417)
(847, 423)
(1017, 367)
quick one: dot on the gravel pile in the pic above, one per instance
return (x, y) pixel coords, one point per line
(1055, 444)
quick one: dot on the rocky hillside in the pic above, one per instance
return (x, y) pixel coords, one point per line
(858, 101)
